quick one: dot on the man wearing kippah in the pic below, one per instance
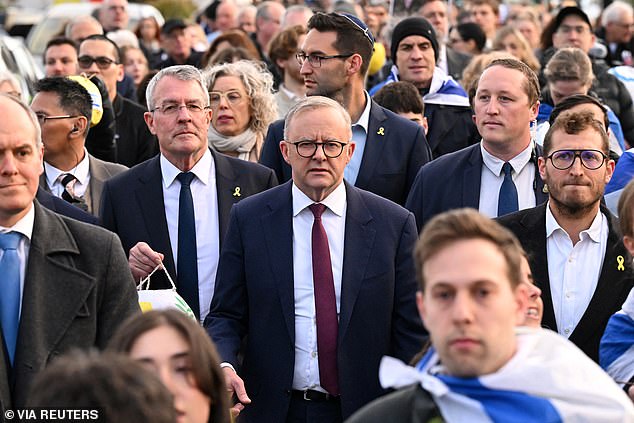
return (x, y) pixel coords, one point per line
(415, 53)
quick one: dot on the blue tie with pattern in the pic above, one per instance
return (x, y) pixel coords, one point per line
(10, 286)
(187, 262)
(507, 201)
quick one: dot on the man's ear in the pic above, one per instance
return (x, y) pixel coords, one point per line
(355, 64)
(149, 121)
(284, 150)
(628, 241)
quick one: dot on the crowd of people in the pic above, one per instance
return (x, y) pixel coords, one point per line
(340, 211)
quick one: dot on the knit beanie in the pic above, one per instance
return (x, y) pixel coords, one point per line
(413, 26)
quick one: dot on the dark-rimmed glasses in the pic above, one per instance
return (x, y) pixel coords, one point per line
(590, 159)
(102, 62)
(42, 118)
(331, 149)
(315, 59)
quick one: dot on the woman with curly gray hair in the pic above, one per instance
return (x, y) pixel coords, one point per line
(241, 97)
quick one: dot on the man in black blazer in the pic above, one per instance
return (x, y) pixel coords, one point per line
(266, 314)
(505, 104)
(64, 283)
(390, 149)
(574, 248)
(142, 205)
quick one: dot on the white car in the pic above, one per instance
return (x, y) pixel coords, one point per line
(59, 15)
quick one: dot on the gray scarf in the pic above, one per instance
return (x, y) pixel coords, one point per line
(241, 144)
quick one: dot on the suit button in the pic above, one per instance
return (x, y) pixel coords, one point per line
(288, 392)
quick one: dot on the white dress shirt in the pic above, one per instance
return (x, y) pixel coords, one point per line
(205, 197)
(25, 227)
(574, 271)
(492, 177)
(81, 172)
(359, 136)
(306, 371)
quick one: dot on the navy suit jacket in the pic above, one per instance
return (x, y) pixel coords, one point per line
(254, 298)
(60, 206)
(132, 203)
(395, 149)
(612, 289)
(453, 181)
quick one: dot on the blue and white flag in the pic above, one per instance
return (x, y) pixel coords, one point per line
(616, 352)
(548, 380)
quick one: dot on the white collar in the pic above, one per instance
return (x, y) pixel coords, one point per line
(335, 201)
(24, 225)
(201, 169)
(494, 164)
(593, 232)
(81, 171)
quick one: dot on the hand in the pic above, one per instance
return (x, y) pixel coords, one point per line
(143, 260)
(235, 385)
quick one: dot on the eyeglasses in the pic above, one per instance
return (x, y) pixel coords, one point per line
(579, 29)
(233, 98)
(171, 109)
(315, 59)
(307, 149)
(590, 159)
(102, 62)
(42, 118)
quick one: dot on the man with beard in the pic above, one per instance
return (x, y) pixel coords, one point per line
(334, 60)
(575, 251)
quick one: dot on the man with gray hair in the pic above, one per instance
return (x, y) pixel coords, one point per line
(617, 21)
(317, 276)
(174, 208)
(64, 282)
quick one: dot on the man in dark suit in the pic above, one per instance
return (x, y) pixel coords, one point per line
(64, 283)
(334, 61)
(502, 166)
(64, 108)
(144, 205)
(315, 329)
(573, 244)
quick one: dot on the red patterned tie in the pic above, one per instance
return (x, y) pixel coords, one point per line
(325, 304)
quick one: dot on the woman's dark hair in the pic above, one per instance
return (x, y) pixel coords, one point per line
(205, 362)
(400, 97)
(472, 31)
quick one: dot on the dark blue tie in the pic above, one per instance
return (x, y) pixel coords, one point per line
(507, 201)
(10, 288)
(187, 262)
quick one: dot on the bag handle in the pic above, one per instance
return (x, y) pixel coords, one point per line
(146, 281)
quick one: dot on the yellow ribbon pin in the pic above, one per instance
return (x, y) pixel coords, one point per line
(236, 192)
(381, 131)
(620, 260)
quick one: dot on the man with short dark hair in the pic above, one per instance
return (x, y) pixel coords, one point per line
(98, 55)
(415, 54)
(311, 332)
(480, 366)
(64, 109)
(334, 59)
(113, 15)
(572, 243)
(499, 175)
(60, 57)
(177, 46)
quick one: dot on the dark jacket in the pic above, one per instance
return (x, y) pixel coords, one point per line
(135, 142)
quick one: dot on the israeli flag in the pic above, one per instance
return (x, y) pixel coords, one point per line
(548, 380)
(616, 352)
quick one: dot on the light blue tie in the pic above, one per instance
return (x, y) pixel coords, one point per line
(10, 288)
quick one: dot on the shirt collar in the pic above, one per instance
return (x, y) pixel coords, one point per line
(202, 169)
(593, 232)
(364, 119)
(81, 171)
(24, 226)
(517, 163)
(335, 202)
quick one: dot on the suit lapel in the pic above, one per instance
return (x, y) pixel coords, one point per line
(374, 145)
(98, 175)
(358, 243)
(46, 314)
(225, 189)
(150, 198)
(43, 184)
(277, 225)
(541, 194)
(609, 285)
(534, 240)
(471, 179)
